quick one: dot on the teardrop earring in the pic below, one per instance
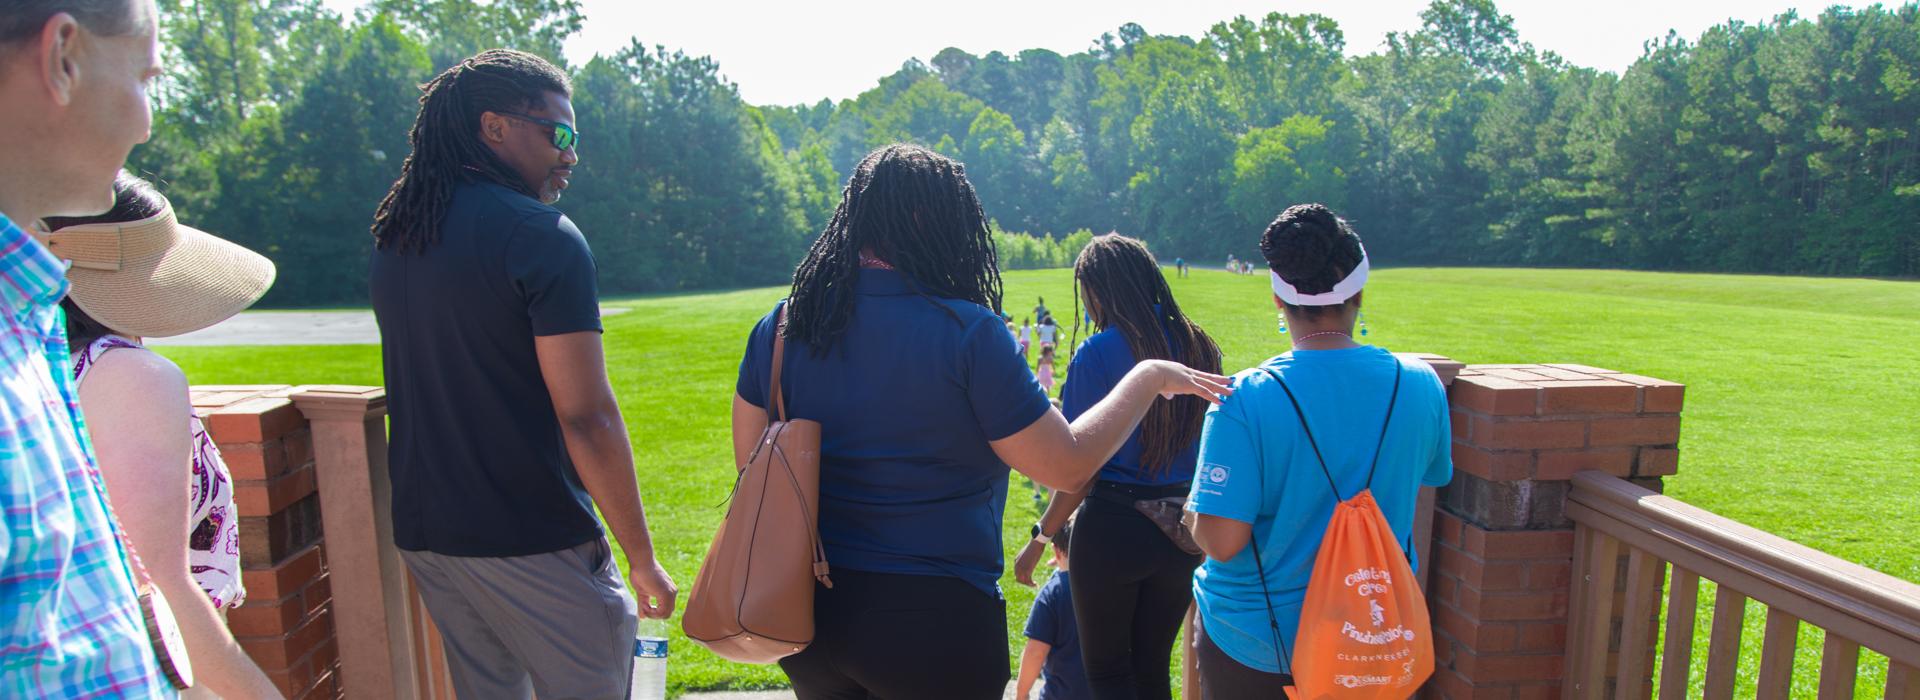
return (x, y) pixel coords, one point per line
(1283, 324)
(1363, 324)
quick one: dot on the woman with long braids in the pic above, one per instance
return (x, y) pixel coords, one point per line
(1132, 583)
(918, 430)
(505, 431)
(1379, 422)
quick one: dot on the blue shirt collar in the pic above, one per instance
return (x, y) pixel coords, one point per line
(879, 282)
(30, 275)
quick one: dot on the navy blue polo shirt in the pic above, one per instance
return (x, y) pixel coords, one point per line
(1052, 622)
(478, 463)
(907, 402)
(1098, 366)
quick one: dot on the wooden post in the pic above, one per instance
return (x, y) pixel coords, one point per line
(371, 605)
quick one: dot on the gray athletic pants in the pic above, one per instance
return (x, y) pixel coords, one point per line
(559, 624)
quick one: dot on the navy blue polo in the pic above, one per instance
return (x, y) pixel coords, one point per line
(478, 461)
(907, 402)
(1098, 366)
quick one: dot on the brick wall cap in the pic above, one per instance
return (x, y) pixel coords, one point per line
(332, 401)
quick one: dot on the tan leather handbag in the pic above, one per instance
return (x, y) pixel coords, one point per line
(753, 599)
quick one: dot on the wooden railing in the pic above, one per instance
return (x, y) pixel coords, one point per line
(1856, 606)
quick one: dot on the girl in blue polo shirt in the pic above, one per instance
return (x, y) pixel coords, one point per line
(895, 345)
(1132, 584)
(1259, 481)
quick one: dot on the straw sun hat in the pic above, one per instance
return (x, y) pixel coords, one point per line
(155, 278)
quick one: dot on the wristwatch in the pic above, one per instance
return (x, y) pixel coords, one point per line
(1038, 537)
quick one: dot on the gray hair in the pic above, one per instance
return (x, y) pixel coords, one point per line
(22, 19)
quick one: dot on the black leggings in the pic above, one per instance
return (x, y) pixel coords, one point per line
(899, 637)
(1222, 678)
(1131, 588)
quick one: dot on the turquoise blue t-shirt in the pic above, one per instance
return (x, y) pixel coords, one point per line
(1257, 467)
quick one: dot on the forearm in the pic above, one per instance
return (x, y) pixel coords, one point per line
(1060, 506)
(603, 457)
(1099, 433)
(219, 664)
(1031, 660)
(1220, 539)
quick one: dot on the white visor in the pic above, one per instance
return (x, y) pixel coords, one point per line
(1340, 293)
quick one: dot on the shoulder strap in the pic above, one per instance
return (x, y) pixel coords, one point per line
(1392, 399)
(1315, 444)
(776, 403)
(1281, 655)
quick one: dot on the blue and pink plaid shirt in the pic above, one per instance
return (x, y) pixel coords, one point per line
(70, 625)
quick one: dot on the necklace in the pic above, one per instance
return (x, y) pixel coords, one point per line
(1311, 336)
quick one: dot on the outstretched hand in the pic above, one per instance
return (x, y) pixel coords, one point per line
(1177, 379)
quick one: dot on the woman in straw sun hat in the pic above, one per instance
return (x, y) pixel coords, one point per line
(137, 273)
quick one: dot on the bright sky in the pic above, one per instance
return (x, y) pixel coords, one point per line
(786, 52)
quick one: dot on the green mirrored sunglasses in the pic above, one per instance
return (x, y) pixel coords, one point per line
(564, 137)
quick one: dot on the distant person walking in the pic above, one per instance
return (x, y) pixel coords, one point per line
(506, 434)
(1049, 332)
(1040, 309)
(1378, 421)
(1026, 337)
(1180, 266)
(74, 76)
(1132, 582)
(914, 460)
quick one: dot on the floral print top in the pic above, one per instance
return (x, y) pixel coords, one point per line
(213, 550)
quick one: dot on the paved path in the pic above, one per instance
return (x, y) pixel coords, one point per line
(298, 328)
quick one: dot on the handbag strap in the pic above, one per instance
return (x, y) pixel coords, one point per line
(776, 401)
(777, 413)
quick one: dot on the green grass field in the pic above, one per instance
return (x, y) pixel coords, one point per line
(1802, 395)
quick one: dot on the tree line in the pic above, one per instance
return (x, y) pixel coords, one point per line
(1789, 146)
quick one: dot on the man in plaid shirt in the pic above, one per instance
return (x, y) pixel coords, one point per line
(74, 77)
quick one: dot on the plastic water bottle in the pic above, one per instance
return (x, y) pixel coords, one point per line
(650, 661)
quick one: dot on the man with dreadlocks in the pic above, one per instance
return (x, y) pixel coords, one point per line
(1132, 583)
(918, 429)
(505, 430)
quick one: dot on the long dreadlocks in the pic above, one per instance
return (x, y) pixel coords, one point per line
(914, 209)
(447, 150)
(1121, 285)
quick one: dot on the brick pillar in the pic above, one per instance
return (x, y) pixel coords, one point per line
(1502, 542)
(286, 623)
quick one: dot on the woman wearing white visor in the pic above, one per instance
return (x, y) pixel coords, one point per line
(137, 273)
(1303, 431)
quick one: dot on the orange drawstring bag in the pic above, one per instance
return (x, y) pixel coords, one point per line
(1364, 629)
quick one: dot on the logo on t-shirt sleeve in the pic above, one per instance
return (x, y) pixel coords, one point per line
(1213, 479)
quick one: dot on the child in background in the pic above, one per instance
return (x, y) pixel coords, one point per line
(1049, 332)
(1045, 372)
(1026, 337)
(1053, 640)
